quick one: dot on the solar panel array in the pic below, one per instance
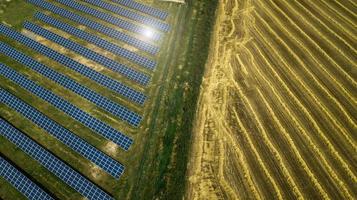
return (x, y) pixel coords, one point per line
(128, 72)
(145, 62)
(109, 18)
(97, 26)
(131, 15)
(49, 161)
(144, 26)
(108, 105)
(66, 137)
(94, 124)
(143, 8)
(70, 63)
(23, 184)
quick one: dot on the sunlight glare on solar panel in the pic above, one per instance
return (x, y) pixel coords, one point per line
(97, 27)
(126, 71)
(110, 83)
(108, 18)
(145, 62)
(154, 23)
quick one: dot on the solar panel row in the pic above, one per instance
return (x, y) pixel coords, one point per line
(23, 184)
(63, 105)
(70, 63)
(143, 8)
(97, 26)
(106, 104)
(145, 62)
(131, 15)
(109, 18)
(128, 72)
(66, 137)
(49, 161)
(44, 157)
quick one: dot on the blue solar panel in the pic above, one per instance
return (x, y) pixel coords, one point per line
(49, 161)
(109, 18)
(70, 63)
(73, 111)
(128, 72)
(143, 8)
(108, 105)
(97, 26)
(145, 62)
(131, 15)
(68, 138)
(19, 181)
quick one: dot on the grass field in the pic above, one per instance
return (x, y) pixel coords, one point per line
(156, 163)
(277, 110)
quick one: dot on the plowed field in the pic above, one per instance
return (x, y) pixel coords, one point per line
(277, 110)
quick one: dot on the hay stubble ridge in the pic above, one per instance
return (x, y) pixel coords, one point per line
(277, 111)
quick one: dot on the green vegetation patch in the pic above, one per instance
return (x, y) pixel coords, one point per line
(15, 12)
(164, 164)
(7, 191)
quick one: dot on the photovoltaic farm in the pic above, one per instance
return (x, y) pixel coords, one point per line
(84, 87)
(178, 99)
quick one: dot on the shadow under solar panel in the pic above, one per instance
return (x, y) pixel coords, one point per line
(126, 71)
(103, 80)
(71, 140)
(148, 21)
(110, 32)
(68, 83)
(143, 8)
(134, 57)
(110, 19)
(19, 181)
(49, 161)
(89, 121)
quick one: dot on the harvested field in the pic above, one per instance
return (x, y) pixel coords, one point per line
(276, 118)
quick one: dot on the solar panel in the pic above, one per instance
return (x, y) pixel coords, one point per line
(97, 26)
(66, 137)
(49, 161)
(131, 15)
(76, 66)
(94, 124)
(145, 62)
(127, 72)
(109, 18)
(143, 8)
(108, 105)
(19, 181)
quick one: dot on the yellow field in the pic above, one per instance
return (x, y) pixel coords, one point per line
(277, 110)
